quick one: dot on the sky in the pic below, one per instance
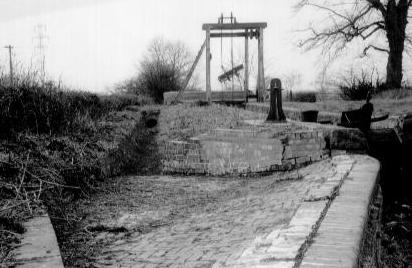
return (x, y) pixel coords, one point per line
(94, 44)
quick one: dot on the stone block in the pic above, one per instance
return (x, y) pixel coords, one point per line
(302, 160)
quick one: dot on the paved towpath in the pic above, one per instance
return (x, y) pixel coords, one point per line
(261, 228)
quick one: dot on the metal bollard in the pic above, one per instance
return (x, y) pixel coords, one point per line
(276, 111)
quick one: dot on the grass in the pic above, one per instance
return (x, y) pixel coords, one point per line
(181, 122)
(38, 109)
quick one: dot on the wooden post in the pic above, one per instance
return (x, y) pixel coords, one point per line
(189, 75)
(261, 71)
(9, 47)
(246, 64)
(208, 87)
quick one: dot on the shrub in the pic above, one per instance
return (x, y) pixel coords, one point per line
(154, 79)
(29, 106)
(163, 68)
(356, 87)
(302, 96)
(157, 78)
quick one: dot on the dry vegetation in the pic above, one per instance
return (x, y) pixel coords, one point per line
(53, 149)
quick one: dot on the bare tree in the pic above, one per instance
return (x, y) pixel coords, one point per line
(347, 21)
(174, 54)
(163, 68)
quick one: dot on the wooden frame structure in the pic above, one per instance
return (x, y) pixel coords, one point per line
(234, 29)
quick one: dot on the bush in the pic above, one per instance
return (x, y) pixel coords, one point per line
(357, 87)
(163, 68)
(303, 96)
(28, 106)
(157, 78)
(154, 79)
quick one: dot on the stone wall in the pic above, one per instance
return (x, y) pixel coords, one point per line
(369, 254)
(241, 152)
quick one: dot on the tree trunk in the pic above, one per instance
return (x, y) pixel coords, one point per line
(395, 23)
(394, 68)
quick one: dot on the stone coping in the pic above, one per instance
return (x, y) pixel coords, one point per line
(293, 113)
(393, 122)
(39, 247)
(337, 242)
(328, 227)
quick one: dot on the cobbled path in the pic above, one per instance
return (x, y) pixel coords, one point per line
(204, 238)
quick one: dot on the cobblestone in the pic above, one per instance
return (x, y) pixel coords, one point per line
(224, 235)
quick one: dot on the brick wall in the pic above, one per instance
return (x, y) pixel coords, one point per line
(240, 152)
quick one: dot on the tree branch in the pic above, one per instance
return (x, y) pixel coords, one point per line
(377, 4)
(375, 48)
(360, 20)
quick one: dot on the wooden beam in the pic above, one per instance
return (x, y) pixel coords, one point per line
(208, 87)
(236, 34)
(229, 74)
(189, 75)
(246, 64)
(261, 69)
(234, 26)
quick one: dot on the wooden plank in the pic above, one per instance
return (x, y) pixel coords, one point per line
(189, 75)
(234, 26)
(208, 86)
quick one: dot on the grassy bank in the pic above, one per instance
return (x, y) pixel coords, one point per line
(184, 121)
(53, 149)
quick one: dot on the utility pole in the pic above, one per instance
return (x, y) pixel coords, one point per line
(10, 47)
(40, 31)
